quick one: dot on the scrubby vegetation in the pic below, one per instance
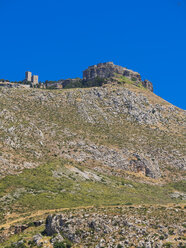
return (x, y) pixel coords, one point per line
(56, 185)
(97, 82)
(87, 147)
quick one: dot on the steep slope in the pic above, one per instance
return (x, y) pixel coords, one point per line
(114, 144)
(124, 127)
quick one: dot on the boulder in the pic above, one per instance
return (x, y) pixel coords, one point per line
(53, 224)
(37, 239)
(57, 238)
(20, 228)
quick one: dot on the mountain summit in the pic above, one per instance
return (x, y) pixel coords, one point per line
(109, 70)
(100, 74)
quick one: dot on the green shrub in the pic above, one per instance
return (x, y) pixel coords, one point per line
(79, 83)
(161, 237)
(65, 244)
(167, 245)
(134, 79)
(119, 246)
(171, 231)
(16, 246)
(59, 245)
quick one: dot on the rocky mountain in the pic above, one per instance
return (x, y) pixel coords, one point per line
(114, 144)
(109, 70)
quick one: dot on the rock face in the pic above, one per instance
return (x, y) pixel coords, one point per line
(122, 159)
(53, 224)
(146, 166)
(108, 69)
(147, 84)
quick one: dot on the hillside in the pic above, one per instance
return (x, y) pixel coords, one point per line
(112, 145)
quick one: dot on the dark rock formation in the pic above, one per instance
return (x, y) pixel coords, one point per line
(20, 228)
(147, 84)
(149, 169)
(53, 224)
(37, 223)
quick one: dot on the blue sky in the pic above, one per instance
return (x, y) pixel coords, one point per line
(59, 39)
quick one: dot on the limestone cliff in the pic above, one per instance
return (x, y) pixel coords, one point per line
(108, 70)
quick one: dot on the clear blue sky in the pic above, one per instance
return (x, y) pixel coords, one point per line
(59, 39)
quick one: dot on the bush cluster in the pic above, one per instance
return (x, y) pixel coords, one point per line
(79, 83)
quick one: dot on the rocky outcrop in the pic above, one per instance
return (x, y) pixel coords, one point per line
(149, 168)
(113, 158)
(147, 84)
(118, 227)
(108, 69)
(53, 224)
(37, 240)
(20, 228)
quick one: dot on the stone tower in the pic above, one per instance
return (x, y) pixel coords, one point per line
(28, 76)
(35, 79)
